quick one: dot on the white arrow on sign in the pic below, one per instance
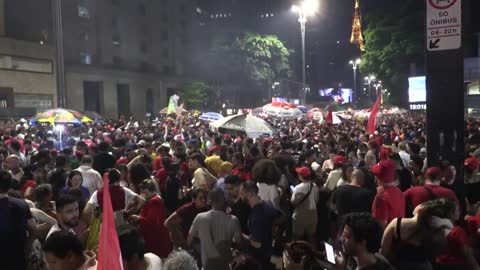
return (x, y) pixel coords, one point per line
(444, 25)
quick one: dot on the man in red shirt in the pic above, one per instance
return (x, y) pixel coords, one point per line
(180, 221)
(389, 202)
(430, 191)
(216, 147)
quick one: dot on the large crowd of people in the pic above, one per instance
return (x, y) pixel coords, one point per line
(185, 197)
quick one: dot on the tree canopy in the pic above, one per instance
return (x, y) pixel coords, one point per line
(393, 43)
(245, 65)
(194, 94)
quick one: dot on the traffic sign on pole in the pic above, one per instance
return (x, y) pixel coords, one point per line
(444, 24)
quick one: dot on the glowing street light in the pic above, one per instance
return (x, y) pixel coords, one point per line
(305, 9)
(369, 79)
(354, 64)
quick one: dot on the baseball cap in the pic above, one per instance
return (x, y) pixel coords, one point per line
(339, 160)
(315, 166)
(303, 171)
(141, 143)
(471, 163)
(385, 171)
(434, 173)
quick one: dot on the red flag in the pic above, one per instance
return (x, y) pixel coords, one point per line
(109, 256)
(329, 119)
(373, 117)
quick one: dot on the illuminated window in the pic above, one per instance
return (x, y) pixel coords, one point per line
(83, 12)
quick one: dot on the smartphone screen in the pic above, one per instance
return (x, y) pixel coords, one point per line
(292, 187)
(330, 253)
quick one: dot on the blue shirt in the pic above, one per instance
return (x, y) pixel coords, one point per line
(260, 225)
(85, 193)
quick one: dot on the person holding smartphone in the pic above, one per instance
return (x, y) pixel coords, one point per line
(361, 239)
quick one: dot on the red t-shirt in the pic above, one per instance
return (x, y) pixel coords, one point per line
(213, 149)
(27, 184)
(161, 177)
(457, 239)
(418, 195)
(122, 160)
(242, 173)
(152, 217)
(389, 203)
(187, 213)
(157, 163)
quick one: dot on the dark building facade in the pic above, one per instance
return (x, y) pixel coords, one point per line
(121, 56)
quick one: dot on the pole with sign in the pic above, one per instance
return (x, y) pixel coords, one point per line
(445, 95)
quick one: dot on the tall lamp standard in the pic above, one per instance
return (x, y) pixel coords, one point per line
(355, 64)
(60, 70)
(305, 9)
(369, 80)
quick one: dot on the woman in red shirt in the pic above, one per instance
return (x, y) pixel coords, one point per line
(151, 219)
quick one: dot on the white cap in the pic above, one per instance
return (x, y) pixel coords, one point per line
(315, 166)
(141, 143)
(166, 144)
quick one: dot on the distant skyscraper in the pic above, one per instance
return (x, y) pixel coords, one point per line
(357, 36)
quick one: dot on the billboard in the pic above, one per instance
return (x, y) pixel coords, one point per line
(340, 95)
(417, 89)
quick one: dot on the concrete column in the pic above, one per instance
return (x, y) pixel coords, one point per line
(75, 94)
(478, 37)
(2, 18)
(110, 106)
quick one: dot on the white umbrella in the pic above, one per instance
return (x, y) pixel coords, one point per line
(282, 109)
(210, 116)
(245, 123)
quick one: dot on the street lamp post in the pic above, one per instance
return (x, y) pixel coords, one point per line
(369, 80)
(60, 70)
(354, 64)
(306, 8)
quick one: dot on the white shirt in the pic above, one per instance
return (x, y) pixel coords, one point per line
(153, 261)
(333, 179)
(92, 180)
(269, 193)
(300, 192)
(405, 158)
(56, 228)
(117, 215)
(22, 158)
(18, 176)
(129, 197)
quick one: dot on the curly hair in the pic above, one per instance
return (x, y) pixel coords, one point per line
(266, 171)
(180, 260)
(365, 227)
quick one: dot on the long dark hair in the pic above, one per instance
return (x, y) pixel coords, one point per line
(70, 177)
(434, 239)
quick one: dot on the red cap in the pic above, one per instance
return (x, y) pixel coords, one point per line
(53, 152)
(303, 171)
(434, 173)
(339, 160)
(385, 171)
(472, 163)
(473, 224)
(385, 152)
(78, 155)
